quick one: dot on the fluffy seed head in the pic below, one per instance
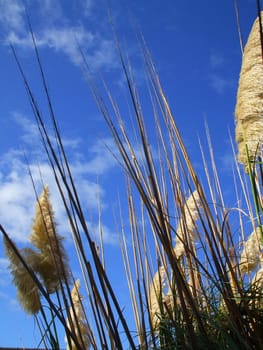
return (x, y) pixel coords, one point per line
(249, 106)
(27, 291)
(251, 255)
(159, 296)
(77, 321)
(185, 230)
(53, 262)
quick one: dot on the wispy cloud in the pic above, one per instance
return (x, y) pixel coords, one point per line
(216, 60)
(65, 40)
(53, 32)
(17, 199)
(219, 83)
(87, 6)
(12, 15)
(99, 52)
(218, 78)
(4, 272)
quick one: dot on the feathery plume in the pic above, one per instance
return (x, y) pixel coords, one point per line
(185, 231)
(249, 106)
(157, 296)
(257, 286)
(257, 280)
(27, 291)
(77, 321)
(53, 262)
(251, 255)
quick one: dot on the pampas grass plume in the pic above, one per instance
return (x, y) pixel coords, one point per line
(249, 106)
(27, 291)
(186, 226)
(53, 264)
(158, 296)
(251, 254)
(77, 321)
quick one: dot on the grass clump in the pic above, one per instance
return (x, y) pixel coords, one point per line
(190, 284)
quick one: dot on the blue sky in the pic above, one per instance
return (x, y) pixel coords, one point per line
(195, 47)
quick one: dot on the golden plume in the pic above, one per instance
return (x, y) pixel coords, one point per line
(185, 231)
(27, 291)
(160, 300)
(77, 321)
(249, 106)
(251, 255)
(53, 264)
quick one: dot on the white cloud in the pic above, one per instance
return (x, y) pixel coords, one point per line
(87, 6)
(17, 200)
(17, 197)
(103, 55)
(66, 40)
(53, 31)
(16, 203)
(100, 159)
(219, 83)
(48, 10)
(4, 272)
(108, 236)
(99, 52)
(30, 132)
(12, 14)
(218, 80)
(216, 60)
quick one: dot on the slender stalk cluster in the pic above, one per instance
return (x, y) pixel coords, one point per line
(185, 231)
(249, 106)
(77, 322)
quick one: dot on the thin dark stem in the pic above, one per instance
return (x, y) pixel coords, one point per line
(260, 26)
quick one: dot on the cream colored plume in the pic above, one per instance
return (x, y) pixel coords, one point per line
(53, 262)
(251, 254)
(257, 286)
(249, 106)
(27, 291)
(185, 231)
(158, 296)
(77, 322)
(257, 281)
